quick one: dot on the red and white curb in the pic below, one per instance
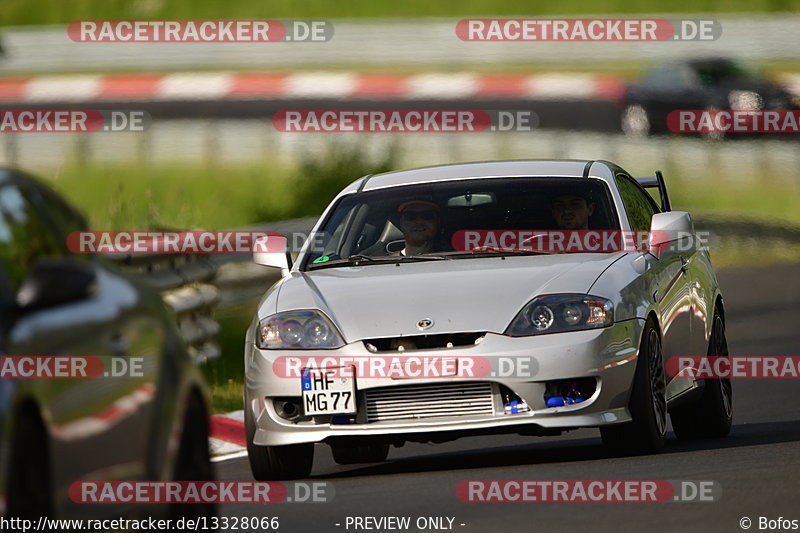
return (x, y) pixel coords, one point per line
(226, 436)
(334, 85)
(100, 422)
(329, 85)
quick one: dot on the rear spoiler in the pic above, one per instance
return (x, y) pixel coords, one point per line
(657, 182)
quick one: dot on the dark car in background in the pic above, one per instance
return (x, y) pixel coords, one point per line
(146, 425)
(698, 84)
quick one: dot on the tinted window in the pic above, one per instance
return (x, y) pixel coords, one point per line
(371, 223)
(671, 76)
(716, 72)
(638, 203)
(62, 218)
(65, 219)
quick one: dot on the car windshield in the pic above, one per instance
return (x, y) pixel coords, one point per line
(703, 72)
(716, 72)
(455, 219)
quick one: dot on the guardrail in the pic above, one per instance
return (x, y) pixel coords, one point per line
(192, 285)
(184, 282)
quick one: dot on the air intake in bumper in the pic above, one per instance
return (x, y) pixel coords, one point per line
(429, 401)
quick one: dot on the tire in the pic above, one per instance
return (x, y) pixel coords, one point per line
(648, 402)
(193, 462)
(711, 416)
(269, 463)
(635, 121)
(367, 453)
(29, 485)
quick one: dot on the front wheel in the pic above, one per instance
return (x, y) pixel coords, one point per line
(648, 402)
(268, 463)
(711, 416)
(193, 461)
(29, 485)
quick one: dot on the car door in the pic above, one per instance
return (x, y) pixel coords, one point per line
(667, 280)
(98, 427)
(700, 283)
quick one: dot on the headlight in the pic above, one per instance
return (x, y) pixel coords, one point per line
(561, 312)
(298, 330)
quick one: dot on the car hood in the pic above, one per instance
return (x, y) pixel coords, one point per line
(459, 295)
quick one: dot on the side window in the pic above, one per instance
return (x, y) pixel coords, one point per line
(332, 242)
(65, 218)
(638, 204)
(24, 237)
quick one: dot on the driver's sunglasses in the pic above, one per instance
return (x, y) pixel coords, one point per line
(418, 215)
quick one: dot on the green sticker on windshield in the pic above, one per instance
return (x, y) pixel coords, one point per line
(321, 259)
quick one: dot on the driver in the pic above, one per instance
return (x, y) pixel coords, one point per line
(420, 221)
(571, 211)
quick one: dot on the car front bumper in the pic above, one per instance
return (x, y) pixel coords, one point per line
(607, 355)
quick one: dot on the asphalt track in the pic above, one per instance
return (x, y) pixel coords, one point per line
(758, 465)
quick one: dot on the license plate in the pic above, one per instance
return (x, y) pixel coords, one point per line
(328, 391)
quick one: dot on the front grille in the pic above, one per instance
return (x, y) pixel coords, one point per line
(429, 401)
(424, 342)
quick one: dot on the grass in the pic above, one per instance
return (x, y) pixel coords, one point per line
(225, 376)
(130, 196)
(765, 199)
(744, 252)
(200, 196)
(197, 196)
(20, 12)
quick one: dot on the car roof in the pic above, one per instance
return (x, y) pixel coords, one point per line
(485, 169)
(20, 177)
(712, 62)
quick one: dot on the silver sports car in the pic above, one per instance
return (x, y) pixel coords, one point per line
(528, 297)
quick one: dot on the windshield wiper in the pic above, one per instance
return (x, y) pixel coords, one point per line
(494, 253)
(342, 261)
(357, 258)
(381, 259)
(421, 257)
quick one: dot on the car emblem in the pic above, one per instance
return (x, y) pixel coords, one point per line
(425, 323)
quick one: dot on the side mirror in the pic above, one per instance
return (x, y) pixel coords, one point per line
(272, 252)
(671, 227)
(56, 281)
